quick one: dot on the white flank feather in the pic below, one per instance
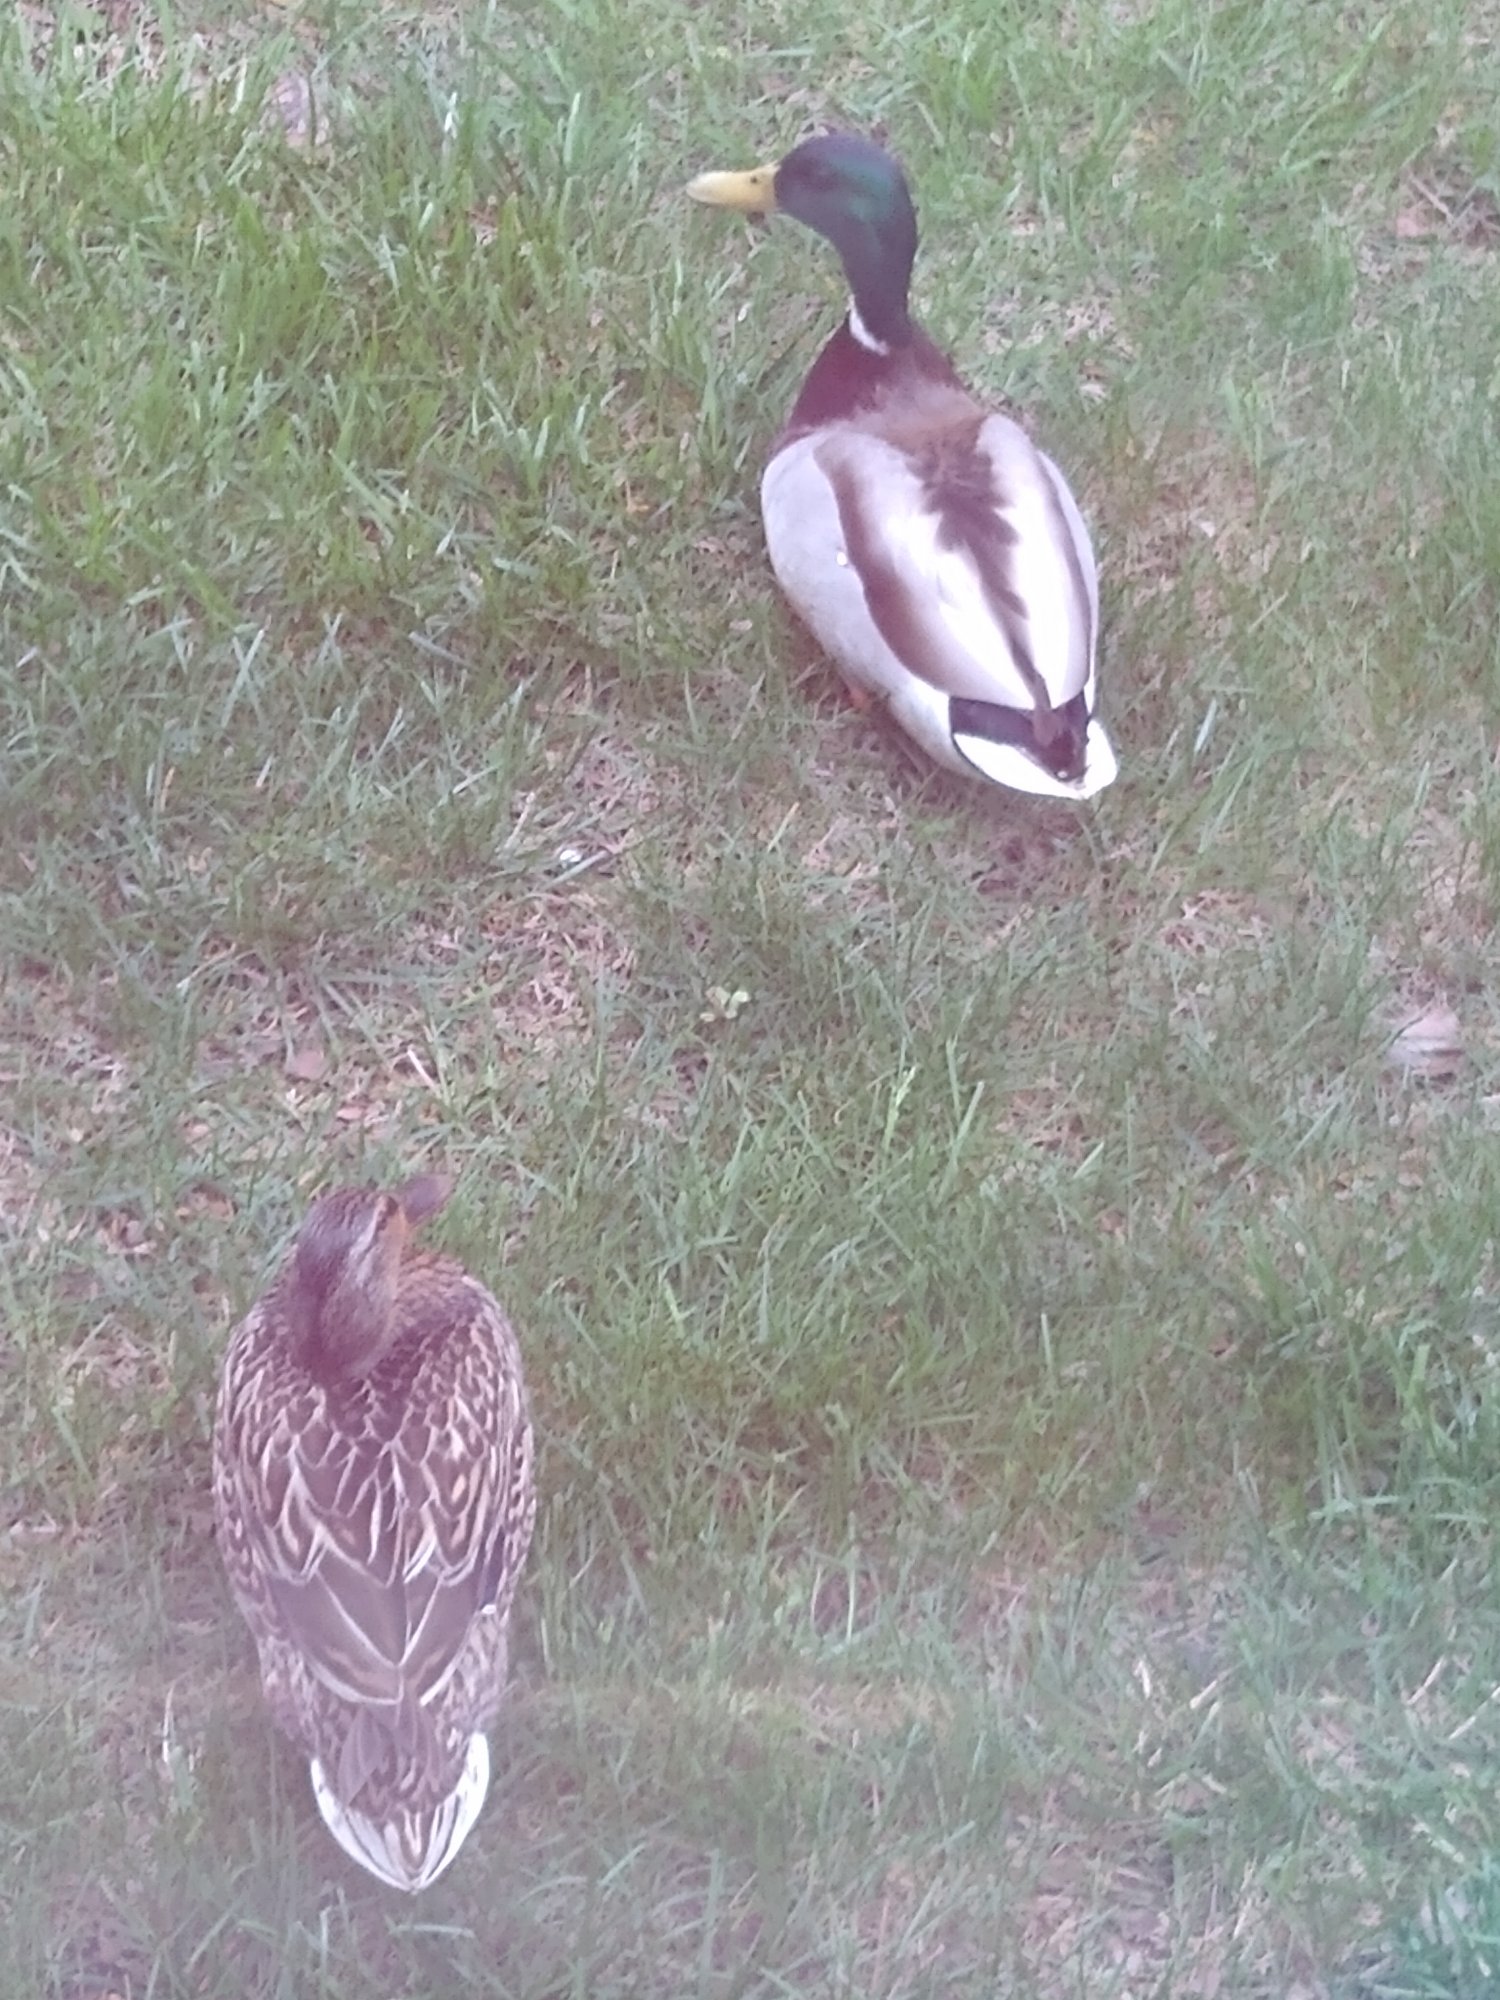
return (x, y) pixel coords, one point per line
(806, 541)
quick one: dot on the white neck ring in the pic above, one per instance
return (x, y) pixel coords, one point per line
(863, 335)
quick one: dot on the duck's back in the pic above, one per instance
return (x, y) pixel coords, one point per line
(373, 1531)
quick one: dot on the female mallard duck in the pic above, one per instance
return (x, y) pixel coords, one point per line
(374, 1500)
(937, 555)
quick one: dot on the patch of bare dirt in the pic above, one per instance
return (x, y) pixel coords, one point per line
(1441, 200)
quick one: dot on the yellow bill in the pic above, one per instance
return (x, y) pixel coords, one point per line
(754, 193)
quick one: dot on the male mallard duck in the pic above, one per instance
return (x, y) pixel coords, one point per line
(374, 1500)
(937, 555)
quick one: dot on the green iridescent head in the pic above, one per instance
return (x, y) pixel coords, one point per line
(851, 191)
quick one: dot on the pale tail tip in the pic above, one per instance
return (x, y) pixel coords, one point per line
(409, 1851)
(1005, 764)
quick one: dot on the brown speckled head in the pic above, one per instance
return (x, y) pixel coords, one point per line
(345, 1271)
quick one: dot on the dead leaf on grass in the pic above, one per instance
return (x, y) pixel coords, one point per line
(723, 1005)
(289, 108)
(202, 1200)
(1429, 1045)
(308, 1064)
(1412, 223)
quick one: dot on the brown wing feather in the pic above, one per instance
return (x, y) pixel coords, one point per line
(905, 620)
(938, 429)
(368, 1527)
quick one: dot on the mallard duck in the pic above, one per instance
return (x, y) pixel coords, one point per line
(374, 1502)
(936, 554)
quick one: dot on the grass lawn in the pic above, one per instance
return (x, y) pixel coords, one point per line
(1008, 1290)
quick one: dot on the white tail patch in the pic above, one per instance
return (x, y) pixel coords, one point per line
(1007, 764)
(409, 1850)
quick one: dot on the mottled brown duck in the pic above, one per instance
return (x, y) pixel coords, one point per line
(374, 1501)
